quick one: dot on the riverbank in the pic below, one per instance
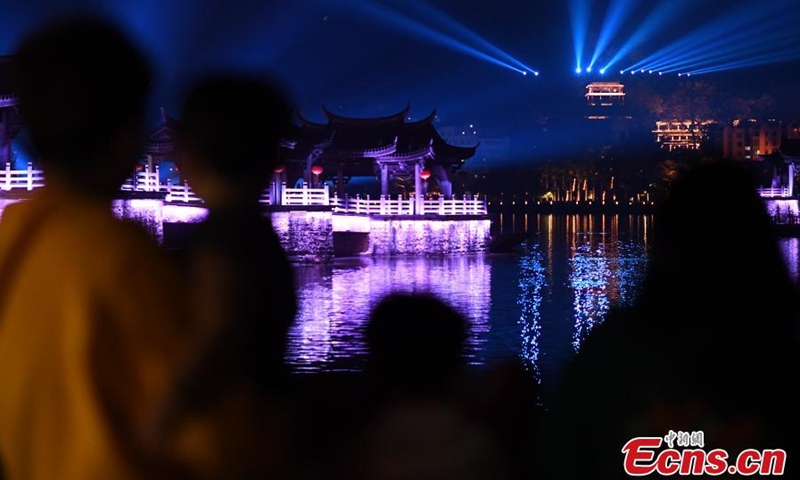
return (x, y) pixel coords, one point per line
(573, 208)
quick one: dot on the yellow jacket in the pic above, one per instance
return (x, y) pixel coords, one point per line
(92, 334)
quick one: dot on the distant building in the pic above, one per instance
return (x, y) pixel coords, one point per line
(749, 139)
(605, 94)
(608, 122)
(680, 134)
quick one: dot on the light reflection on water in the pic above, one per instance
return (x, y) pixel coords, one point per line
(531, 282)
(790, 247)
(335, 301)
(537, 304)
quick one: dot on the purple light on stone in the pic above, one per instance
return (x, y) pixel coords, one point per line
(429, 237)
(146, 212)
(184, 214)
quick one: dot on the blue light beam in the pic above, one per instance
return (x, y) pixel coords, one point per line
(407, 25)
(754, 61)
(765, 37)
(715, 31)
(466, 33)
(616, 14)
(579, 18)
(653, 24)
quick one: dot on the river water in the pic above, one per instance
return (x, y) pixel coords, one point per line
(537, 303)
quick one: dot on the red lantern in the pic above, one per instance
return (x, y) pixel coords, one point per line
(316, 169)
(425, 174)
(279, 169)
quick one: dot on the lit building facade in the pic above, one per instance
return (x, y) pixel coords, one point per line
(680, 134)
(747, 140)
(605, 94)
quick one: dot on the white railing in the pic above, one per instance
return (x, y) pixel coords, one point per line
(27, 179)
(146, 181)
(401, 206)
(305, 196)
(150, 182)
(181, 194)
(366, 206)
(465, 206)
(773, 192)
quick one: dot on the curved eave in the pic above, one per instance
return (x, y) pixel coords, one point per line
(409, 156)
(452, 153)
(309, 123)
(396, 117)
(8, 100)
(425, 121)
(377, 152)
(166, 131)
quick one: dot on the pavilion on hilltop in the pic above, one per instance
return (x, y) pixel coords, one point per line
(390, 148)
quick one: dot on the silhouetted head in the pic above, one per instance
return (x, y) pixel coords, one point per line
(714, 229)
(715, 258)
(416, 340)
(82, 87)
(230, 130)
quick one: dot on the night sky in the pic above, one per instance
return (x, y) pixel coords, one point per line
(368, 58)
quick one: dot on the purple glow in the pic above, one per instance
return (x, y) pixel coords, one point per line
(429, 237)
(4, 202)
(184, 214)
(146, 212)
(351, 223)
(782, 207)
(335, 301)
(305, 235)
(790, 247)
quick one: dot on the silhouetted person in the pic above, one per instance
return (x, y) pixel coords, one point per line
(504, 397)
(418, 426)
(710, 345)
(416, 345)
(241, 283)
(90, 333)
